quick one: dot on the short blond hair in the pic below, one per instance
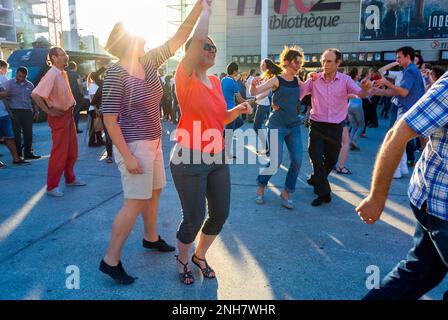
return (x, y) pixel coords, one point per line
(289, 54)
(118, 40)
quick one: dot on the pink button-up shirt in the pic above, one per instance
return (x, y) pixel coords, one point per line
(54, 88)
(330, 98)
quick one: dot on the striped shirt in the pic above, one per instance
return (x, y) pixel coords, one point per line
(136, 101)
(429, 118)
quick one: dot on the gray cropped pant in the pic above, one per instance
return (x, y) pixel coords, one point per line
(200, 186)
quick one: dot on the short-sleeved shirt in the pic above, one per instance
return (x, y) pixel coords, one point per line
(413, 82)
(136, 101)
(3, 112)
(201, 109)
(429, 118)
(19, 94)
(329, 99)
(229, 89)
(54, 88)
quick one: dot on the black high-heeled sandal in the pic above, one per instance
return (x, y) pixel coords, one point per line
(186, 275)
(205, 271)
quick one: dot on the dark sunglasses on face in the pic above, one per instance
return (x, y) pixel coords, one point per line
(210, 48)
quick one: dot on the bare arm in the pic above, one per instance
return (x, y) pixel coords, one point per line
(40, 102)
(386, 163)
(387, 67)
(115, 133)
(200, 36)
(239, 98)
(256, 89)
(185, 29)
(383, 92)
(231, 115)
(398, 91)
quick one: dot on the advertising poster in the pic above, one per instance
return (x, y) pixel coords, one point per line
(403, 19)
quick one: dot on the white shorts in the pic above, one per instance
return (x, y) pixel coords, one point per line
(150, 156)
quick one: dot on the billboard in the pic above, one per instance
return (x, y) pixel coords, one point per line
(403, 19)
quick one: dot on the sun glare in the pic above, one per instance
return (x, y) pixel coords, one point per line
(143, 18)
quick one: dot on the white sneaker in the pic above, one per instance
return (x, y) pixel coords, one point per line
(404, 170)
(398, 175)
(55, 193)
(76, 183)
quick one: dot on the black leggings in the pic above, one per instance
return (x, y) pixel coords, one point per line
(195, 184)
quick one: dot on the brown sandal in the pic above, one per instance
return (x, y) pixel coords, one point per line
(186, 275)
(205, 271)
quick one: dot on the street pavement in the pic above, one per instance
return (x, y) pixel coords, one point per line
(263, 253)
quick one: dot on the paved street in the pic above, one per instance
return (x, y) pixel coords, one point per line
(264, 252)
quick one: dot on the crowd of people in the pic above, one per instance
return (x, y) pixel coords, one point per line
(128, 99)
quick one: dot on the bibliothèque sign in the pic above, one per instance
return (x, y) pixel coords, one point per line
(308, 14)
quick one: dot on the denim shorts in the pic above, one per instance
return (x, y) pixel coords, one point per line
(6, 127)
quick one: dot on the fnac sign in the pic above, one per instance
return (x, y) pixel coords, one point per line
(281, 6)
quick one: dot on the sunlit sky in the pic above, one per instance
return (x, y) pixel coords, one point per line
(145, 17)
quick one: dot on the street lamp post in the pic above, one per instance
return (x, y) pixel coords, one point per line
(264, 28)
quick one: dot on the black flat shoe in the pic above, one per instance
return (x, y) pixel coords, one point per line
(32, 157)
(21, 162)
(321, 200)
(117, 273)
(160, 245)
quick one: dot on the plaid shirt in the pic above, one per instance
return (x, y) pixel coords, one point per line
(429, 118)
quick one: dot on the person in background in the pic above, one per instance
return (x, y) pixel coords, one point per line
(54, 97)
(167, 99)
(436, 73)
(394, 76)
(355, 113)
(250, 78)
(77, 89)
(96, 124)
(410, 90)
(175, 113)
(18, 93)
(97, 103)
(231, 94)
(6, 129)
(269, 70)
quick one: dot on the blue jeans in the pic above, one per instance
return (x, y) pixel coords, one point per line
(393, 115)
(261, 116)
(425, 266)
(293, 139)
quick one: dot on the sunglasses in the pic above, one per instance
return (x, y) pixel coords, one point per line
(210, 48)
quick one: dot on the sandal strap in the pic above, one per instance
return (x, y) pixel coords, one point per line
(202, 260)
(185, 265)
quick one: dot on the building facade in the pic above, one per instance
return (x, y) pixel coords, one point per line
(367, 31)
(31, 21)
(8, 38)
